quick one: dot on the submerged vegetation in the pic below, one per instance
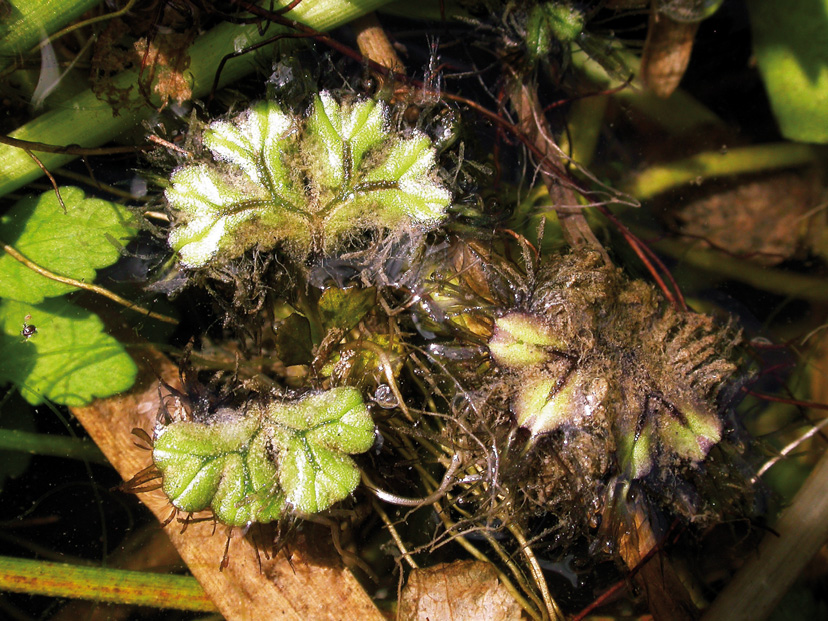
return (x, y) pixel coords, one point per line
(439, 291)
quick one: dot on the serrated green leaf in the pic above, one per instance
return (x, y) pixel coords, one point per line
(336, 418)
(341, 134)
(255, 143)
(254, 186)
(70, 360)
(309, 185)
(73, 244)
(791, 49)
(314, 477)
(345, 308)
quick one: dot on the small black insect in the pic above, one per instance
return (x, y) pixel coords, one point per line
(29, 330)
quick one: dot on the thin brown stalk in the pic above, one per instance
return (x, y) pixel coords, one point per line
(392, 530)
(552, 607)
(532, 123)
(46, 172)
(28, 145)
(83, 285)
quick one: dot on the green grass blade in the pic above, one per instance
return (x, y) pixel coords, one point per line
(45, 444)
(29, 21)
(84, 120)
(117, 586)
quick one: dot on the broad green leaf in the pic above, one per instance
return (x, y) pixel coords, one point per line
(70, 360)
(308, 185)
(791, 48)
(73, 244)
(345, 308)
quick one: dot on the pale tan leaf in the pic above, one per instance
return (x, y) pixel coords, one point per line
(456, 592)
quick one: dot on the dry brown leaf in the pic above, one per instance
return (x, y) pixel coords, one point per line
(761, 219)
(164, 61)
(299, 587)
(456, 592)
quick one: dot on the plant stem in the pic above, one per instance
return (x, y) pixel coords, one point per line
(776, 281)
(12, 252)
(30, 21)
(712, 164)
(532, 124)
(100, 584)
(45, 444)
(798, 535)
(89, 122)
(552, 607)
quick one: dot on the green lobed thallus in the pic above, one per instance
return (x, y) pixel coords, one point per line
(254, 465)
(308, 184)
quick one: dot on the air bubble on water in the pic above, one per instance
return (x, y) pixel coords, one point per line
(138, 187)
(282, 75)
(384, 397)
(240, 43)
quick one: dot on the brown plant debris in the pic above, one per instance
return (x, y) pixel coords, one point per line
(762, 219)
(457, 591)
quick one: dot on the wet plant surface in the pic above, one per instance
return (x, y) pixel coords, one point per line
(495, 289)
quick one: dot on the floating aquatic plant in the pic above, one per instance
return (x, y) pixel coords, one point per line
(252, 465)
(596, 351)
(308, 184)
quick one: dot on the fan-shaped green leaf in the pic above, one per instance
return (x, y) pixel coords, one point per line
(248, 466)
